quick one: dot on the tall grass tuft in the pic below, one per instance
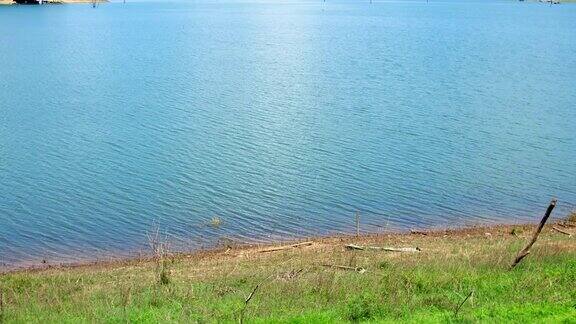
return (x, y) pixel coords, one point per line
(161, 256)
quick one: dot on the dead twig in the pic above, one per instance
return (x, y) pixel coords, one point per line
(462, 303)
(247, 300)
(286, 247)
(561, 231)
(357, 269)
(526, 250)
(379, 248)
(251, 294)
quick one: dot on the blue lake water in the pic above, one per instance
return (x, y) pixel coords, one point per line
(282, 118)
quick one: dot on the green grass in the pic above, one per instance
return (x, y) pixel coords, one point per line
(296, 288)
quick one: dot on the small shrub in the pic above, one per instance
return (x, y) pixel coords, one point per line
(161, 249)
(164, 277)
(383, 265)
(361, 308)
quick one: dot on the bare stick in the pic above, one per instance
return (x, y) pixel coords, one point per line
(526, 250)
(357, 269)
(286, 247)
(462, 303)
(380, 248)
(246, 301)
(562, 231)
(251, 294)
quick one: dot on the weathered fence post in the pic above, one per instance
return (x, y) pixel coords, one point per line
(526, 250)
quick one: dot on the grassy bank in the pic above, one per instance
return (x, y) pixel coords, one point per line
(296, 286)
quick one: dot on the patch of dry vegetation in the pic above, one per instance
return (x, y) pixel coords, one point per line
(294, 284)
(572, 217)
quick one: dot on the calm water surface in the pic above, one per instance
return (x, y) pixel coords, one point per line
(282, 118)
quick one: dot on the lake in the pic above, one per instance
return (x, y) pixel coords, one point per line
(278, 119)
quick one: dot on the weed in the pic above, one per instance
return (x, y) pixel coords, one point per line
(383, 265)
(161, 256)
(361, 308)
(215, 222)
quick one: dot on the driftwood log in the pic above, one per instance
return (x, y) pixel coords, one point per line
(286, 247)
(379, 248)
(526, 250)
(559, 230)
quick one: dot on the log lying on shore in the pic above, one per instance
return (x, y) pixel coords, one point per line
(286, 247)
(559, 230)
(380, 248)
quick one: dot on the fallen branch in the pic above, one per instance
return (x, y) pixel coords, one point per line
(357, 269)
(462, 303)
(286, 247)
(379, 248)
(526, 250)
(417, 232)
(562, 231)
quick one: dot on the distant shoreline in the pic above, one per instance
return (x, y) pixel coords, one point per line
(219, 251)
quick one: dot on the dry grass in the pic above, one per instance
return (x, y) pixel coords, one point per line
(572, 217)
(295, 286)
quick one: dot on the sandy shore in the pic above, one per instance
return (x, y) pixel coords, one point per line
(222, 252)
(422, 278)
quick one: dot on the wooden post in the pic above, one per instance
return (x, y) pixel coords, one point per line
(526, 250)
